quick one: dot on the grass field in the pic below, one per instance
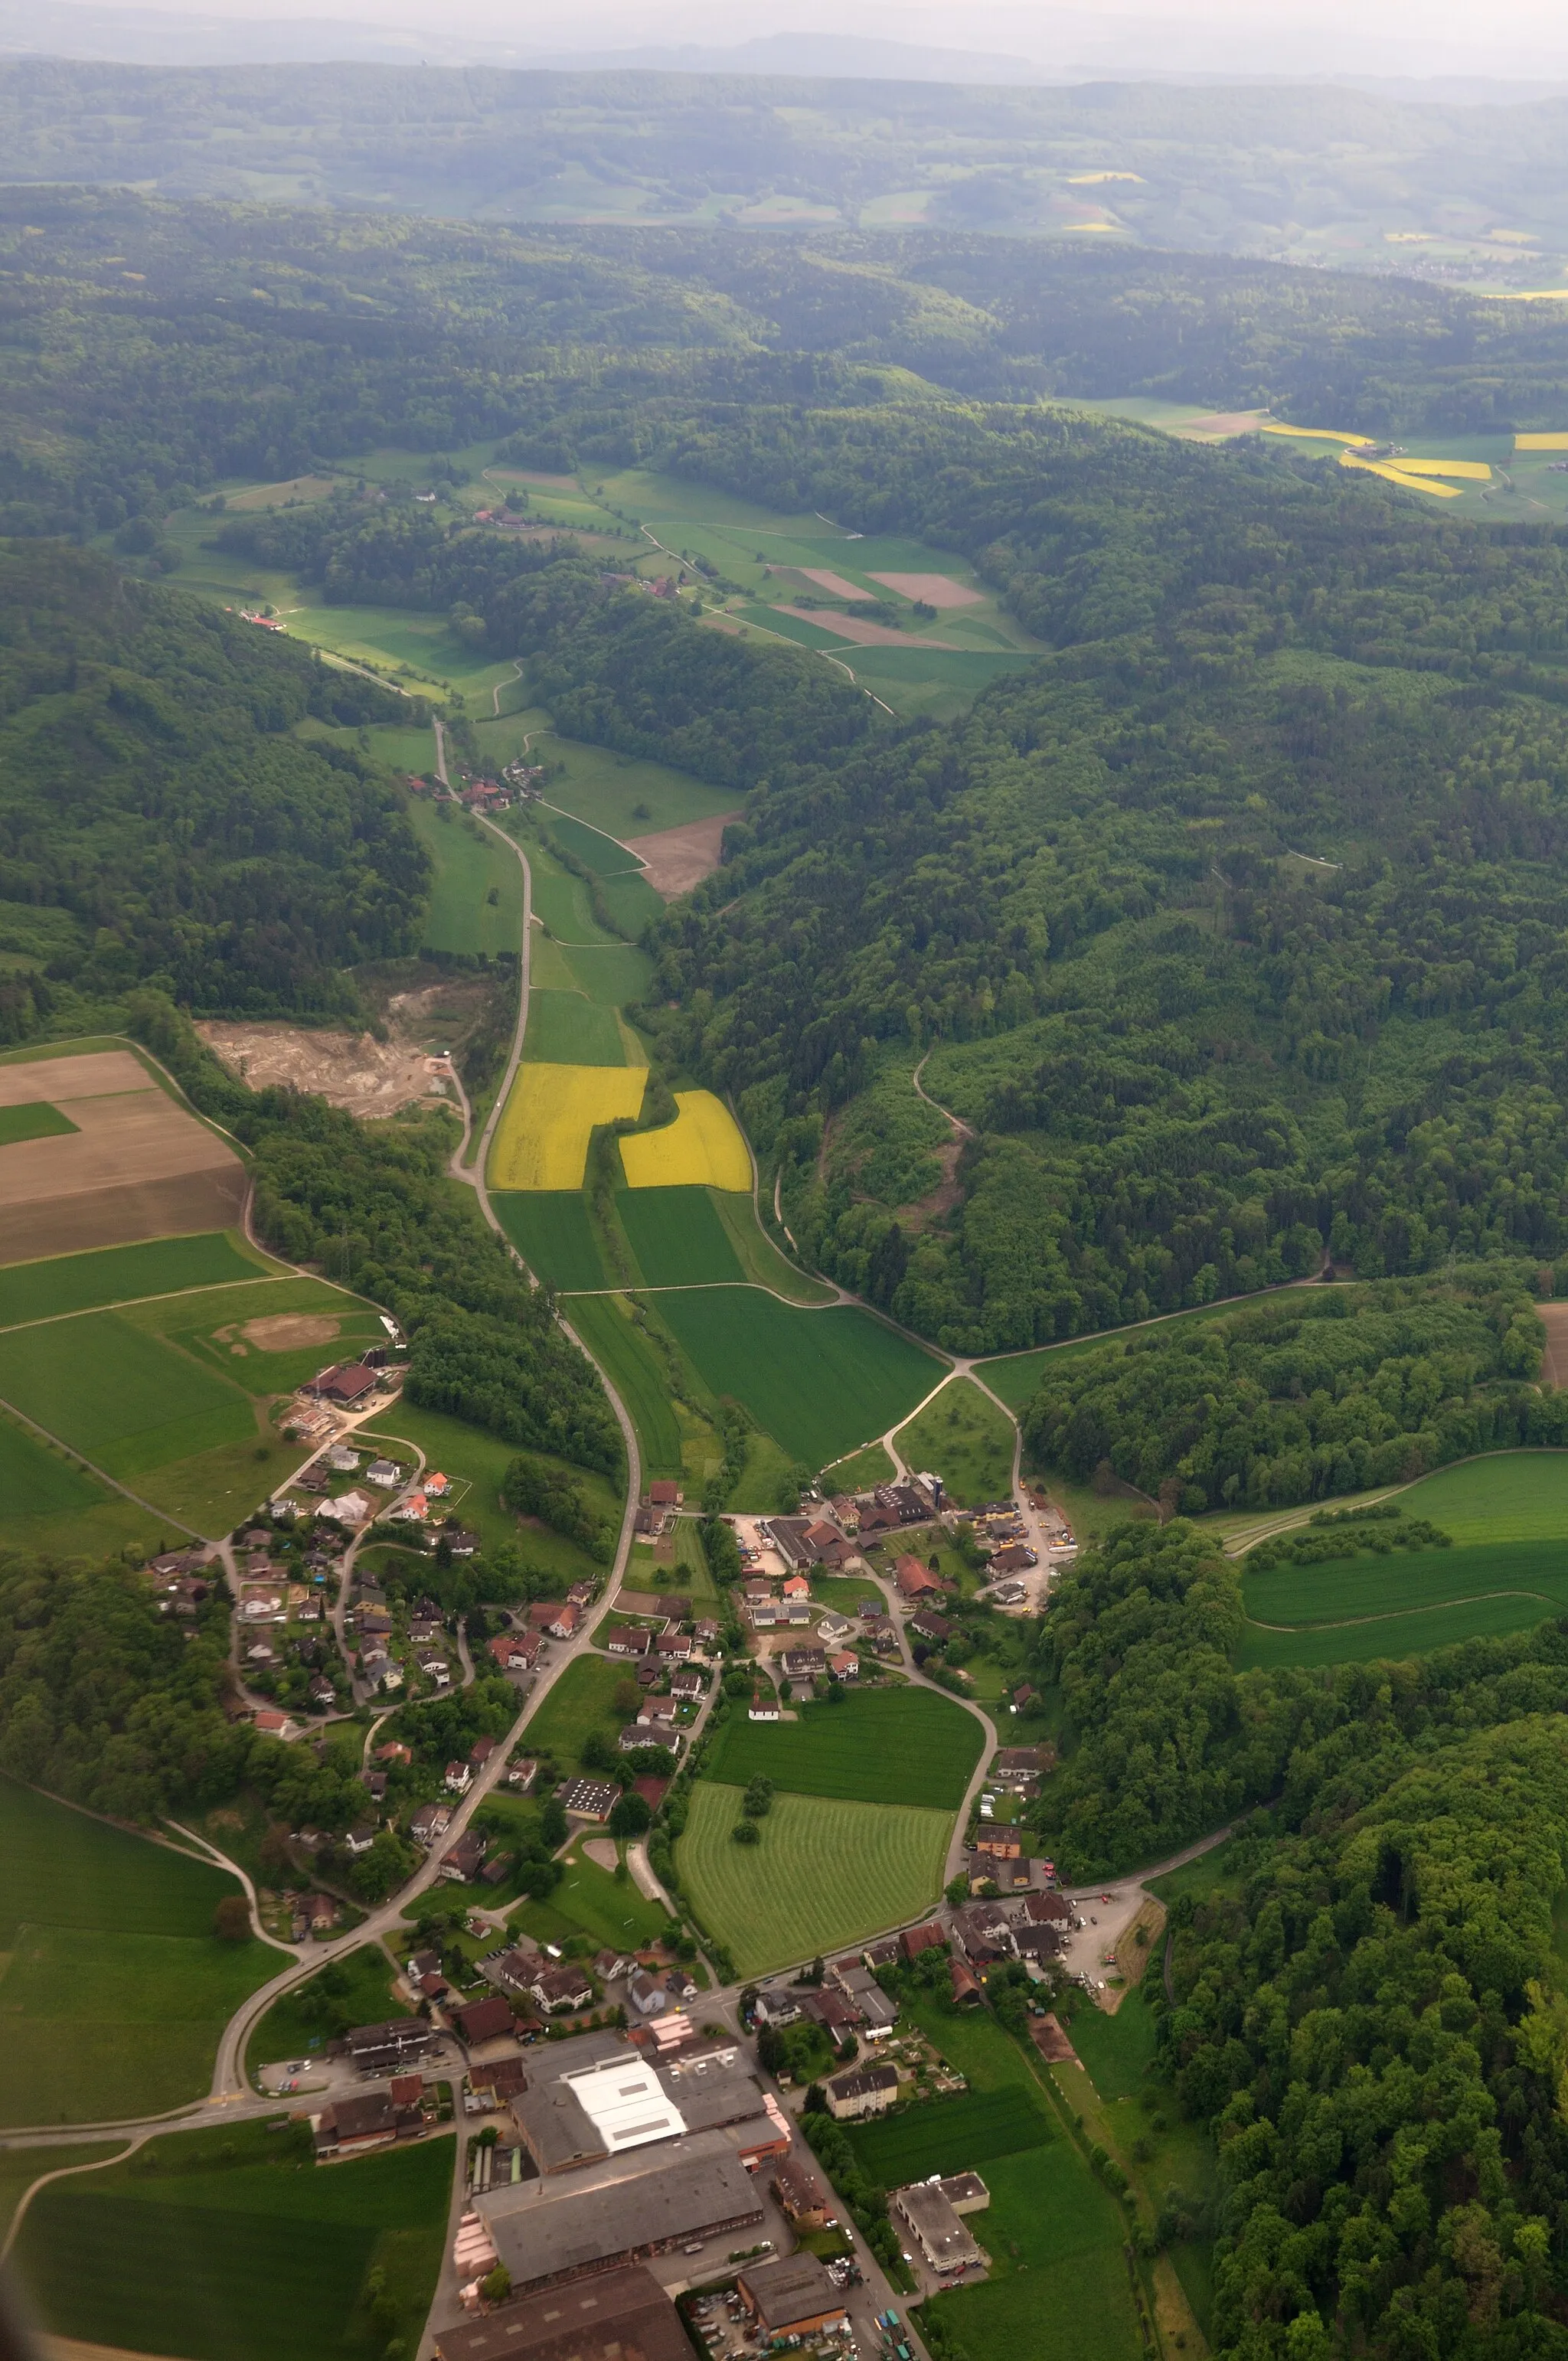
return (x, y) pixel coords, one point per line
(552, 1231)
(861, 1471)
(604, 854)
(115, 1989)
(760, 1259)
(1351, 1589)
(677, 1236)
(1391, 1637)
(881, 1746)
(624, 794)
(33, 1119)
(228, 2246)
(606, 1326)
(582, 1700)
(590, 1901)
(965, 1440)
(475, 895)
(84, 1282)
(703, 1148)
(62, 1511)
(470, 1453)
(542, 1140)
(610, 972)
(1509, 1496)
(566, 1029)
(821, 1383)
(825, 1874)
(121, 1397)
(288, 2029)
(1115, 2051)
(951, 2135)
(21, 2167)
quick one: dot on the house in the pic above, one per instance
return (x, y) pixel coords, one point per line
(348, 1383)
(413, 1511)
(1038, 1943)
(272, 1724)
(591, 1799)
(794, 2298)
(459, 1778)
(321, 1913)
(322, 1694)
(648, 1994)
(796, 1587)
(387, 1676)
(480, 1752)
(437, 1485)
(358, 1840)
(458, 1542)
(610, 1966)
(430, 1824)
(777, 2008)
(374, 1786)
(465, 1860)
(929, 1936)
(1016, 1769)
(864, 2090)
(437, 1669)
(877, 1520)
(649, 1733)
(485, 2020)
(340, 1459)
(839, 1556)
(554, 1990)
(348, 2127)
(522, 1774)
(804, 1663)
(582, 1594)
(935, 1629)
(564, 1624)
(672, 1647)
(844, 1666)
(517, 1652)
(835, 2011)
(967, 1993)
(833, 1627)
(846, 1513)
(707, 1635)
(385, 1474)
(981, 1933)
(664, 1494)
(686, 1684)
(1050, 1910)
(630, 1639)
(514, 1970)
(802, 2198)
(1022, 1699)
(915, 1581)
(764, 1708)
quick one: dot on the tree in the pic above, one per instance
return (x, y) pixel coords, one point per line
(230, 1919)
(957, 1889)
(552, 1823)
(747, 1832)
(495, 2286)
(630, 1815)
(628, 1698)
(596, 1753)
(758, 1797)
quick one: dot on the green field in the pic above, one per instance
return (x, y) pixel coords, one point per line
(590, 1901)
(59, 1510)
(624, 794)
(582, 1700)
(42, 1481)
(605, 1324)
(861, 1472)
(32, 1119)
(821, 1383)
(115, 1989)
(470, 866)
(677, 1236)
(824, 1875)
(965, 1440)
(611, 973)
(1116, 2050)
(1391, 1637)
(21, 2167)
(951, 2135)
(1349, 1590)
(230, 2245)
(762, 1261)
(82, 1282)
(552, 1231)
(565, 1030)
(880, 1746)
(1509, 1496)
(604, 855)
(289, 2030)
(471, 1455)
(119, 1396)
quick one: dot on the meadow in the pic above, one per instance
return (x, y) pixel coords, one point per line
(624, 794)
(230, 2245)
(552, 1231)
(607, 1328)
(567, 1028)
(703, 1148)
(475, 895)
(1509, 1496)
(32, 1119)
(85, 1282)
(677, 1236)
(1347, 1591)
(819, 1383)
(825, 1874)
(965, 1440)
(760, 1259)
(120, 1395)
(951, 2135)
(591, 1901)
(542, 1140)
(59, 1510)
(116, 1989)
(21, 2167)
(471, 1455)
(582, 1701)
(1391, 1637)
(880, 1746)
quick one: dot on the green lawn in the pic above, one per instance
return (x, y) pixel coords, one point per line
(471, 1454)
(1509, 1496)
(880, 1746)
(552, 1231)
(952, 2135)
(471, 866)
(819, 1383)
(290, 2028)
(81, 1282)
(565, 1030)
(677, 1236)
(32, 1119)
(591, 1901)
(582, 1701)
(115, 1989)
(965, 1440)
(824, 1874)
(1116, 2050)
(606, 1326)
(861, 1472)
(120, 1395)
(231, 2244)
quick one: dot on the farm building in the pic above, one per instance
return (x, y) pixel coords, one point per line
(348, 1383)
(916, 1581)
(929, 1937)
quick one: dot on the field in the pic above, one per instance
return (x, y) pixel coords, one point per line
(541, 1141)
(951, 2135)
(60, 1509)
(624, 794)
(678, 1234)
(965, 1440)
(567, 1029)
(881, 1746)
(582, 1701)
(824, 1875)
(475, 895)
(1509, 1496)
(121, 1397)
(821, 1383)
(228, 2244)
(115, 1989)
(21, 2167)
(590, 1901)
(1365, 1608)
(469, 1453)
(760, 1259)
(84, 1282)
(32, 1119)
(289, 2031)
(551, 1230)
(861, 1471)
(703, 1148)
(133, 1163)
(605, 1324)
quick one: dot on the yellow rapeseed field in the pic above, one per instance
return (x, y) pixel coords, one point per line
(1393, 473)
(1541, 441)
(542, 1140)
(1316, 433)
(703, 1148)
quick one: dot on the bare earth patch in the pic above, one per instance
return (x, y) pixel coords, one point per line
(679, 858)
(1554, 1318)
(1221, 424)
(834, 583)
(601, 1851)
(936, 589)
(940, 1200)
(287, 1332)
(864, 634)
(352, 1071)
